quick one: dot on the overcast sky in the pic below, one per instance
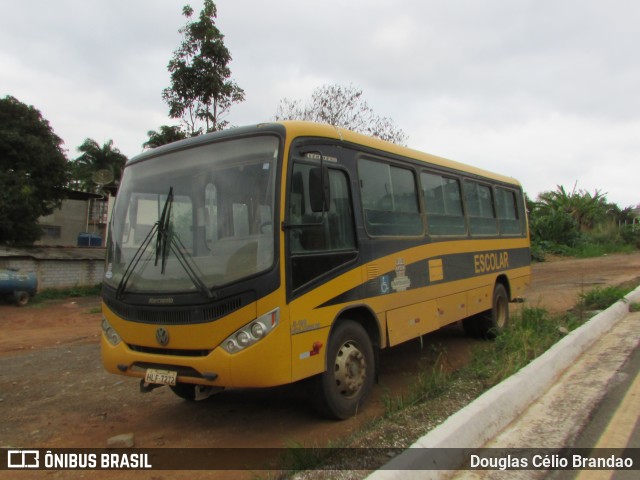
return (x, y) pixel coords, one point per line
(547, 91)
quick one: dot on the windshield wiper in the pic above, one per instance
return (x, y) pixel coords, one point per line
(169, 240)
(163, 239)
(178, 248)
(161, 227)
(134, 262)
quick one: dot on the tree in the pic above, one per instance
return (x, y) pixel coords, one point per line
(587, 210)
(33, 171)
(341, 106)
(106, 159)
(201, 90)
(166, 134)
(620, 216)
(555, 227)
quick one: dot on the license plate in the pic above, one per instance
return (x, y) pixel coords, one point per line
(163, 377)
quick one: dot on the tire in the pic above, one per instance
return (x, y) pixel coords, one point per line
(341, 390)
(186, 391)
(194, 393)
(470, 326)
(491, 323)
(21, 297)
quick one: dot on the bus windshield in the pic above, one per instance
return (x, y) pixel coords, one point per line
(194, 219)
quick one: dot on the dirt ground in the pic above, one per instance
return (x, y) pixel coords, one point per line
(54, 392)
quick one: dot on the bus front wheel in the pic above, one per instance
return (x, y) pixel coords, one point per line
(491, 323)
(342, 389)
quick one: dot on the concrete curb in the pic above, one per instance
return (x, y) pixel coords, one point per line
(486, 416)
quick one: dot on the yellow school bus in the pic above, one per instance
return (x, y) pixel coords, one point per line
(269, 254)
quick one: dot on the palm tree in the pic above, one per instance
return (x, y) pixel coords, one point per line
(97, 167)
(586, 209)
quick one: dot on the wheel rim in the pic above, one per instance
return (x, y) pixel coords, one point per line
(350, 370)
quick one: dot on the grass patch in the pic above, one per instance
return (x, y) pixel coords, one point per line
(298, 456)
(585, 249)
(429, 383)
(592, 250)
(531, 333)
(601, 298)
(59, 294)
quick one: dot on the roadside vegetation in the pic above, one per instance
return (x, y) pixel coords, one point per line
(63, 293)
(580, 224)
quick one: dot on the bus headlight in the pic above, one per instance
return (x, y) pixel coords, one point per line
(110, 333)
(243, 339)
(257, 330)
(252, 332)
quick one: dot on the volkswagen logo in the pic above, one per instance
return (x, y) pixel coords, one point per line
(162, 337)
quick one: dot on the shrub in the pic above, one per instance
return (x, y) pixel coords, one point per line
(601, 298)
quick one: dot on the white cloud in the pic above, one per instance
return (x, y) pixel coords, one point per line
(542, 90)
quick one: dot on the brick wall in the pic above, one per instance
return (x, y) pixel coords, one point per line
(59, 273)
(69, 273)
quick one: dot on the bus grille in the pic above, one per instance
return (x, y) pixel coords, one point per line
(177, 315)
(169, 351)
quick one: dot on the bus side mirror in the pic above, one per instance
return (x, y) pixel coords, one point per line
(319, 191)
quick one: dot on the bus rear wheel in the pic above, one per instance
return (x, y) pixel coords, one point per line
(491, 323)
(341, 390)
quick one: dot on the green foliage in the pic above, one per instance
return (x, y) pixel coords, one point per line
(96, 158)
(166, 134)
(33, 171)
(538, 252)
(592, 250)
(530, 333)
(601, 298)
(579, 224)
(342, 106)
(631, 235)
(298, 456)
(62, 293)
(429, 383)
(587, 210)
(554, 227)
(201, 90)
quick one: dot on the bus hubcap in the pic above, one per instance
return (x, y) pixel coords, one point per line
(350, 370)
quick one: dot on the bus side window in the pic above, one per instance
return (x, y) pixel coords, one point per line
(389, 199)
(443, 202)
(479, 203)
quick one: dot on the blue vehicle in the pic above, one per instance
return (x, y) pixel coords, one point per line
(22, 286)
